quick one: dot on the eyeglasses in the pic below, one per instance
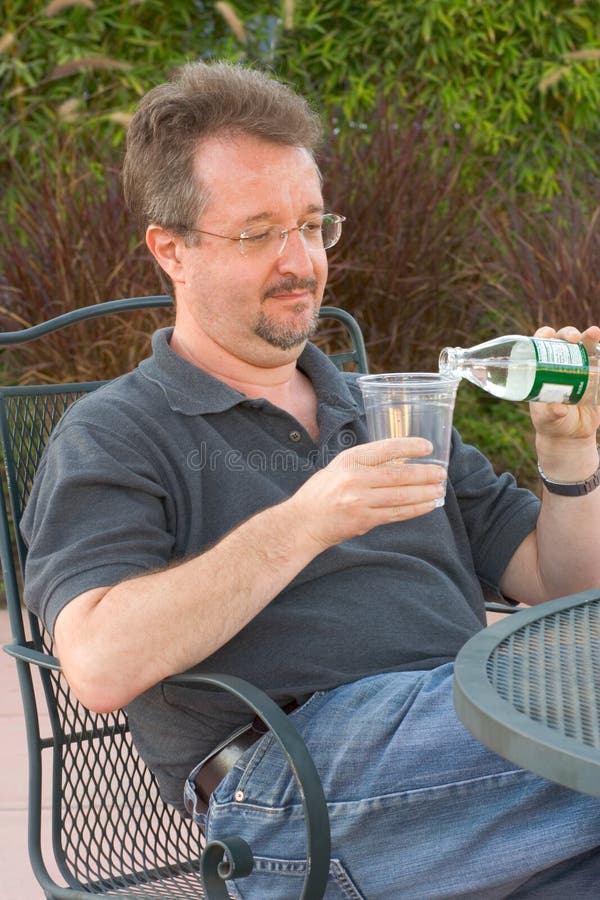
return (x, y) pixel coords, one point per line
(319, 233)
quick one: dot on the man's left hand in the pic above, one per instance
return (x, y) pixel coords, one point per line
(558, 421)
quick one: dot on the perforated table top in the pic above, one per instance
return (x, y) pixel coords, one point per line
(529, 688)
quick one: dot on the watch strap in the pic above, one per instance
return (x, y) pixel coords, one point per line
(571, 488)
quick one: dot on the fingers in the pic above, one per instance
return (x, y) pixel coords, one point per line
(378, 453)
(388, 471)
(405, 474)
(400, 500)
(387, 482)
(405, 513)
(590, 336)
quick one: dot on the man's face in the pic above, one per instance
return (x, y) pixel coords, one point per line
(261, 307)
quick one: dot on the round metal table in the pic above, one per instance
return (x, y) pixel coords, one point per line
(529, 688)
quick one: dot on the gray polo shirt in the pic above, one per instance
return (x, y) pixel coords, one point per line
(162, 462)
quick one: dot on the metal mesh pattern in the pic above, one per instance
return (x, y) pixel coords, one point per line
(115, 835)
(550, 671)
(31, 419)
(114, 823)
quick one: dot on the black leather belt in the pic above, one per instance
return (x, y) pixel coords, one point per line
(224, 757)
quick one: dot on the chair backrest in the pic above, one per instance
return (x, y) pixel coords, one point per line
(110, 829)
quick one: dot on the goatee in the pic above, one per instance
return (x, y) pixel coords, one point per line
(285, 336)
(278, 334)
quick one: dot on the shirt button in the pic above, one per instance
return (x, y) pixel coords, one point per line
(295, 436)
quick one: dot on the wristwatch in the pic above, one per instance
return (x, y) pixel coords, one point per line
(571, 488)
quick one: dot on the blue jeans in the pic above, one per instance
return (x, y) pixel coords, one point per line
(418, 808)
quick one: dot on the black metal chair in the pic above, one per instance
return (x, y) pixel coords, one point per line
(111, 833)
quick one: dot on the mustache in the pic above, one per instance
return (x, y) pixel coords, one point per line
(287, 285)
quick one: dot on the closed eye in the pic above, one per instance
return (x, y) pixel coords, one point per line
(313, 225)
(256, 237)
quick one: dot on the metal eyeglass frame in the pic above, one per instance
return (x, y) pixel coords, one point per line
(245, 236)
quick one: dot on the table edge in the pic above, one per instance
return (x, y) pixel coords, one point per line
(502, 728)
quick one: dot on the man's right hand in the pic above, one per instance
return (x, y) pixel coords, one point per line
(368, 485)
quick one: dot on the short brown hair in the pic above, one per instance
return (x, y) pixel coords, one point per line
(201, 100)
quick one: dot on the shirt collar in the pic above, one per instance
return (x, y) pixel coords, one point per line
(192, 391)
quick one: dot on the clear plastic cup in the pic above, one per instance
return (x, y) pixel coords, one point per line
(412, 404)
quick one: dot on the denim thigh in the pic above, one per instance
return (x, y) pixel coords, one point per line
(419, 809)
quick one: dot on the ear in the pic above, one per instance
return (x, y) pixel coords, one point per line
(165, 247)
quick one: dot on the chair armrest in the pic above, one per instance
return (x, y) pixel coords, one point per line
(509, 606)
(496, 601)
(35, 657)
(215, 870)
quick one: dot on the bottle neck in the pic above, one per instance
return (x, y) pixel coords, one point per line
(450, 360)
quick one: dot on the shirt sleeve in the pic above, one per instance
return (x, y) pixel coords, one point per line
(497, 514)
(98, 513)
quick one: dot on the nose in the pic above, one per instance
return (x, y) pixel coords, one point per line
(295, 257)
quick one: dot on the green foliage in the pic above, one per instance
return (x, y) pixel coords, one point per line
(71, 72)
(501, 430)
(520, 78)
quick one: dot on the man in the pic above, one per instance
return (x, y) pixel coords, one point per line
(221, 508)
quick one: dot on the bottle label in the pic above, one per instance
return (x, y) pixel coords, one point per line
(562, 371)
